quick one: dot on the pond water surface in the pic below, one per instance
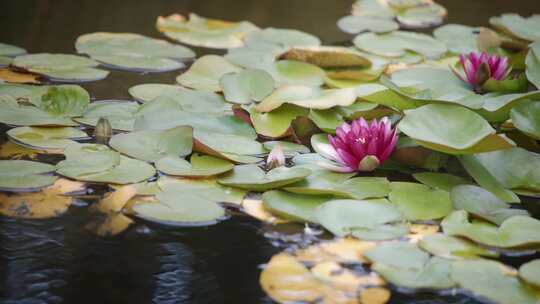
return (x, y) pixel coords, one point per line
(59, 261)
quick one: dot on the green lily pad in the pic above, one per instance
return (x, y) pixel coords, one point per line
(530, 272)
(204, 74)
(372, 8)
(175, 208)
(280, 37)
(395, 44)
(200, 31)
(199, 166)
(458, 38)
(97, 163)
(260, 56)
(152, 145)
(441, 181)
(277, 122)
(532, 63)
(419, 202)
(307, 97)
(296, 207)
(65, 100)
(341, 185)
(207, 188)
(247, 86)
(454, 248)
(24, 92)
(292, 72)
(13, 113)
(516, 231)
(133, 52)
(359, 24)
(483, 204)
(120, 114)
(365, 219)
(4, 62)
(24, 175)
(502, 166)
(10, 50)
(48, 139)
(497, 106)
(517, 26)
(289, 148)
(526, 118)
(225, 144)
(328, 120)
(493, 281)
(251, 177)
(61, 67)
(484, 178)
(451, 129)
(426, 14)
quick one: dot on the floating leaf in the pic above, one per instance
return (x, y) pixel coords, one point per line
(256, 209)
(395, 44)
(405, 265)
(530, 272)
(419, 202)
(50, 202)
(199, 166)
(200, 31)
(276, 123)
(307, 97)
(517, 26)
(493, 281)
(458, 38)
(367, 220)
(341, 185)
(441, 181)
(9, 150)
(280, 37)
(10, 50)
(450, 247)
(61, 67)
(451, 129)
(292, 206)
(66, 100)
(208, 189)
(24, 175)
(175, 208)
(116, 200)
(484, 178)
(289, 148)
(483, 204)
(152, 145)
(205, 73)
(358, 24)
(526, 118)
(120, 114)
(251, 177)
(292, 72)
(515, 231)
(328, 57)
(96, 163)
(110, 224)
(532, 63)
(13, 113)
(10, 76)
(133, 52)
(24, 93)
(426, 14)
(247, 86)
(47, 139)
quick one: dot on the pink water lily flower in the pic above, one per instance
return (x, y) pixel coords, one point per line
(361, 146)
(479, 67)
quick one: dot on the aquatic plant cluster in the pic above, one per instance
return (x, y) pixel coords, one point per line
(404, 155)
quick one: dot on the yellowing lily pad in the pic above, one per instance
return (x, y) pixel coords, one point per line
(205, 73)
(419, 202)
(200, 31)
(133, 52)
(198, 166)
(251, 177)
(24, 175)
(49, 139)
(328, 57)
(152, 145)
(62, 67)
(307, 97)
(395, 44)
(50, 202)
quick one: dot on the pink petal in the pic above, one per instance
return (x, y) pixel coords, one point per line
(348, 159)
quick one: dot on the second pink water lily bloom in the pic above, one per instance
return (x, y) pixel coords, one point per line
(361, 146)
(479, 67)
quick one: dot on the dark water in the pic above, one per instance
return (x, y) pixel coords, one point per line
(59, 261)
